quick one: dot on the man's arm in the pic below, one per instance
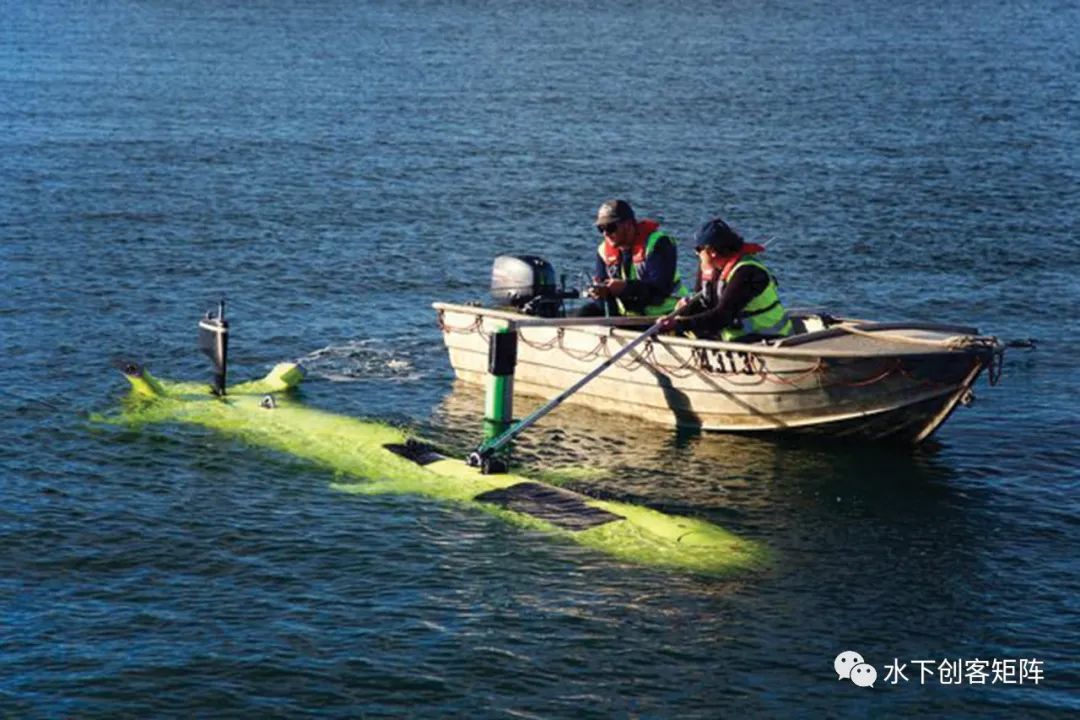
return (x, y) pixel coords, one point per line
(599, 269)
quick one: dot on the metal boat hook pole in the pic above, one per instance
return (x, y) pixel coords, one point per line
(483, 456)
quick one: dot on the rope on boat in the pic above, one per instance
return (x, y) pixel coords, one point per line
(686, 368)
(600, 347)
(815, 369)
(992, 345)
(645, 356)
(474, 326)
(541, 345)
(956, 342)
(896, 366)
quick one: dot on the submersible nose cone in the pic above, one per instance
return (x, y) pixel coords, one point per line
(268, 402)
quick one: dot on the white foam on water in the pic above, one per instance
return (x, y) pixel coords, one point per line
(358, 360)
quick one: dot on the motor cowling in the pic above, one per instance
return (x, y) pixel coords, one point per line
(527, 282)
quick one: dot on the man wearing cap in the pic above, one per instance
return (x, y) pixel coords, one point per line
(738, 300)
(636, 266)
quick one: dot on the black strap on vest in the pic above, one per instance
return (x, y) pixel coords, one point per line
(744, 314)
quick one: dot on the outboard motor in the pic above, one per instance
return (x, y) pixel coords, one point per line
(527, 282)
(214, 341)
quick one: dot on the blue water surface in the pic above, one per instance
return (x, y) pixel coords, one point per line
(332, 168)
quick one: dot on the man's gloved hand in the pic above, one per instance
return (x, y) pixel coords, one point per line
(667, 324)
(609, 288)
(597, 292)
(615, 287)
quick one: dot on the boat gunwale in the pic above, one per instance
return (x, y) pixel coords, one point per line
(616, 328)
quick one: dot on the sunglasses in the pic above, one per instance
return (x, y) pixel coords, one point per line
(608, 229)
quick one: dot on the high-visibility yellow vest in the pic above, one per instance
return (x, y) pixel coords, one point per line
(637, 267)
(764, 315)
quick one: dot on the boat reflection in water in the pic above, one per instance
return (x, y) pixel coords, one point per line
(687, 470)
(841, 520)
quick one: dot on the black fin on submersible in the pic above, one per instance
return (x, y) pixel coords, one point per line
(563, 508)
(128, 367)
(416, 451)
(214, 341)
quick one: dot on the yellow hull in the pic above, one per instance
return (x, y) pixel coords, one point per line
(382, 459)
